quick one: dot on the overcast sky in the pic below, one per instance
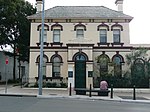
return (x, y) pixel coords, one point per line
(139, 9)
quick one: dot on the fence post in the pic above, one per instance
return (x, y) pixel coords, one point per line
(70, 90)
(90, 91)
(111, 96)
(134, 94)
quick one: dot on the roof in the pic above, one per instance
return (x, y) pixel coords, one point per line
(80, 12)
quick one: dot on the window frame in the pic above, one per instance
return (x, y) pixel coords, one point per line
(116, 36)
(103, 36)
(55, 34)
(117, 66)
(79, 33)
(44, 37)
(56, 64)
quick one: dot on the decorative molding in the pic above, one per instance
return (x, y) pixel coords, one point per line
(117, 25)
(79, 25)
(56, 43)
(45, 43)
(44, 56)
(81, 45)
(56, 25)
(117, 43)
(56, 55)
(45, 25)
(118, 55)
(102, 25)
(101, 43)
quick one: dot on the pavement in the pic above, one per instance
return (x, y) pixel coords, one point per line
(119, 94)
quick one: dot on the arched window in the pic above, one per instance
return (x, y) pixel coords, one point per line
(56, 28)
(80, 56)
(116, 35)
(117, 28)
(45, 60)
(79, 28)
(56, 65)
(117, 61)
(138, 73)
(139, 67)
(103, 61)
(46, 28)
(103, 35)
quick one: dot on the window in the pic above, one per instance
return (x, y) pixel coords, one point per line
(56, 66)
(103, 61)
(79, 33)
(117, 66)
(44, 37)
(44, 66)
(45, 59)
(116, 35)
(56, 35)
(103, 36)
(80, 57)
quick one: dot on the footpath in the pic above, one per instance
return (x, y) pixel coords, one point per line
(120, 95)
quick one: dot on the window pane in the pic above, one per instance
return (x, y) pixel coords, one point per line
(44, 36)
(117, 60)
(80, 33)
(56, 35)
(116, 35)
(103, 35)
(56, 67)
(103, 62)
(117, 66)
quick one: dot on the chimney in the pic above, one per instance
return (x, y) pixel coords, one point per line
(119, 4)
(38, 5)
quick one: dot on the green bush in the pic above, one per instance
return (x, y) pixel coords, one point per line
(123, 82)
(63, 85)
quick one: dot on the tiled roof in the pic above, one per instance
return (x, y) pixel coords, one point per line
(81, 12)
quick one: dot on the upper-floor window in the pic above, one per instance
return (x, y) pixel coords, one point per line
(103, 36)
(79, 33)
(56, 28)
(44, 35)
(56, 35)
(116, 35)
(80, 28)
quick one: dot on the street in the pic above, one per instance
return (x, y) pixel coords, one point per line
(34, 104)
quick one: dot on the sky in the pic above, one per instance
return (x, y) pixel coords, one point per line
(139, 9)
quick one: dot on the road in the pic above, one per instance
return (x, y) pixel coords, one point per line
(34, 104)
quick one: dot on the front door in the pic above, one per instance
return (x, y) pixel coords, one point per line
(80, 74)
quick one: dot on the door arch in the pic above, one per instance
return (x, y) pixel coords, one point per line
(80, 71)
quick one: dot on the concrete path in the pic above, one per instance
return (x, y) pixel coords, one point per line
(142, 95)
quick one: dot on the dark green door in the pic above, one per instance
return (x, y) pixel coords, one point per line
(80, 75)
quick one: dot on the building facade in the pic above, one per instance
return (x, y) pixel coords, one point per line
(78, 42)
(7, 66)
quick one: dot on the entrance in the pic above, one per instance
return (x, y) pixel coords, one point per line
(80, 73)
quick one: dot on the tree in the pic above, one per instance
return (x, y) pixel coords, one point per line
(15, 27)
(138, 61)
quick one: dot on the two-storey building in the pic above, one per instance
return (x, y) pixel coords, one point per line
(78, 41)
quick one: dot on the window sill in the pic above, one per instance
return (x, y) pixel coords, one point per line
(117, 43)
(45, 43)
(50, 78)
(56, 43)
(103, 43)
